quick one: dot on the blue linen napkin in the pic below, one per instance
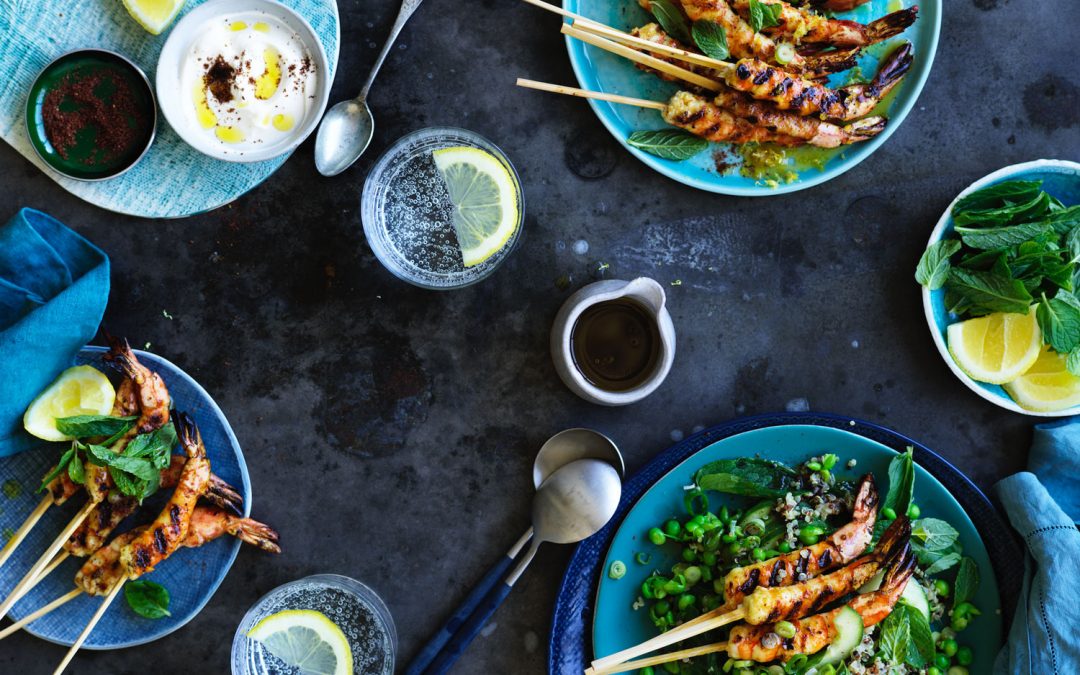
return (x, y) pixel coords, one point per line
(53, 289)
(1044, 507)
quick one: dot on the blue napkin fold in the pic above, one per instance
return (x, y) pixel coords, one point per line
(1044, 507)
(53, 289)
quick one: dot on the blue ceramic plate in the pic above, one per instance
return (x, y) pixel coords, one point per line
(594, 615)
(599, 70)
(1062, 180)
(190, 575)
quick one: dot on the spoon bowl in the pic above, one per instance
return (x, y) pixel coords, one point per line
(574, 444)
(576, 502)
(344, 135)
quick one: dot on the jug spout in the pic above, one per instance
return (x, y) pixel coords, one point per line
(647, 291)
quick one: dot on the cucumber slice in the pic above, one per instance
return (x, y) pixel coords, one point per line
(913, 593)
(762, 511)
(849, 633)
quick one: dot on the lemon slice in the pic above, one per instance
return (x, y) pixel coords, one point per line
(1046, 386)
(82, 390)
(997, 348)
(484, 195)
(154, 15)
(305, 639)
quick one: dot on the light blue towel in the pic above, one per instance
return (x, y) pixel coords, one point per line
(1044, 507)
(53, 289)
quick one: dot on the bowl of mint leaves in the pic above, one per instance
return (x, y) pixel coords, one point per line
(1009, 246)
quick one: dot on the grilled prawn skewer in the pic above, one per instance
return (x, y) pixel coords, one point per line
(806, 27)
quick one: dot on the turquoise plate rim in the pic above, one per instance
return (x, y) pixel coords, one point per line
(934, 301)
(812, 435)
(162, 364)
(719, 184)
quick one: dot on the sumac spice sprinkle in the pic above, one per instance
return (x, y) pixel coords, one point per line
(219, 79)
(98, 102)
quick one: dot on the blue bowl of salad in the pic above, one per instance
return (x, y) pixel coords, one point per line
(1011, 188)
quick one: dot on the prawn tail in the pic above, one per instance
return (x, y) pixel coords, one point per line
(894, 540)
(866, 128)
(891, 24)
(224, 496)
(257, 534)
(894, 68)
(833, 61)
(899, 571)
(120, 355)
(188, 434)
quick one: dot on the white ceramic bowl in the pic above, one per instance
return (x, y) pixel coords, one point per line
(1059, 176)
(173, 99)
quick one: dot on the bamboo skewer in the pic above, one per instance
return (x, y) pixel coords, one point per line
(585, 93)
(654, 47)
(37, 614)
(46, 558)
(90, 626)
(643, 59)
(660, 659)
(669, 638)
(25, 528)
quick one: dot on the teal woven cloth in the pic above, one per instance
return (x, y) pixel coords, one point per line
(1044, 507)
(172, 180)
(53, 289)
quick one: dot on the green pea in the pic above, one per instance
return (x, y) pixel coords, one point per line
(697, 520)
(889, 513)
(829, 460)
(785, 629)
(807, 538)
(958, 670)
(685, 600)
(671, 667)
(941, 587)
(941, 661)
(647, 591)
(718, 586)
(706, 574)
(914, 511)
(661, 608)
(656, 536)
(813, 466)
(672, 528)
(784, 547)
(933, 670)
(964, 656)
(709, 558)
(758, 554)
(826, 476)
(728, 539)
(689, 554)
(949, 647)
(692, 574)
(617, 570)
(647, 670)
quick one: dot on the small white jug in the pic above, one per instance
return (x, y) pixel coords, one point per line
(647, 292)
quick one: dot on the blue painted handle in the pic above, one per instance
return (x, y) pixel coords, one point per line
(463, 612)
(464, 637)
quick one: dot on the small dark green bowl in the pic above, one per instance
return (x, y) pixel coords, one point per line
(84, 161)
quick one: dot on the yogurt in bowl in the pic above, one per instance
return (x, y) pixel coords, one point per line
(243, 80)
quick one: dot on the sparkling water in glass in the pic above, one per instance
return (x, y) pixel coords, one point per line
(353, 607)
(408, 216)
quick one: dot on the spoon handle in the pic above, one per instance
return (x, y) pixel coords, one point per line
(473, 627)
(407, 9)
(467, 607)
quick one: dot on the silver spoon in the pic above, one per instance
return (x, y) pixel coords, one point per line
(347, 128)
(559, 450)
(574, 503)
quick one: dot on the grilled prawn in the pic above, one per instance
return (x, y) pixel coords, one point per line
(839, 549)
(703, 118)
(814, 633)
(110, 512)
(803, 26)
(811, 130)
(103, 569)
(767, 605)
(168, 530)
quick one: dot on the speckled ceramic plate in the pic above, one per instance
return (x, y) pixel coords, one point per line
(1061, 179)
(190, 575)
(599, 70)
(593, 614)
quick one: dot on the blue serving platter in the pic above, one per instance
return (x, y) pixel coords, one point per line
(599, 70)
(1062, 180)
(190, 575)
(594, 615)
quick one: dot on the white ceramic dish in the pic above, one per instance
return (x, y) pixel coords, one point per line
(1058, 176)
(174, 99)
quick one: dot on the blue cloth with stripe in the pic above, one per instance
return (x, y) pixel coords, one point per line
(53, 289)
(1043, 504)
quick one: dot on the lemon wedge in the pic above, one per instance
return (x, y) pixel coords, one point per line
(996, 348)
(305, 639)
(153, 15)
(1047, 386)
(82, 390)
(485, 197)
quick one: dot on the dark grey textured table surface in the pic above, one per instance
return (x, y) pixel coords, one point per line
(390, 431)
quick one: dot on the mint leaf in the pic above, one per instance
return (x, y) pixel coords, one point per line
(901, 482)
(1006, 213)
(1072, 362)
(673, 144)
(87, 426)
(967, 581)
(147, 599)
(942, 563)
(747, 476)
(1059, 321)
(895, 641)
(60, 467)
(936, 534)
(933, 268)
(711, 39)
(985, 292)
(763, 15)
(76, 471)
(1009, 191)
(986, 238)
(921, 649)
(671, 19)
